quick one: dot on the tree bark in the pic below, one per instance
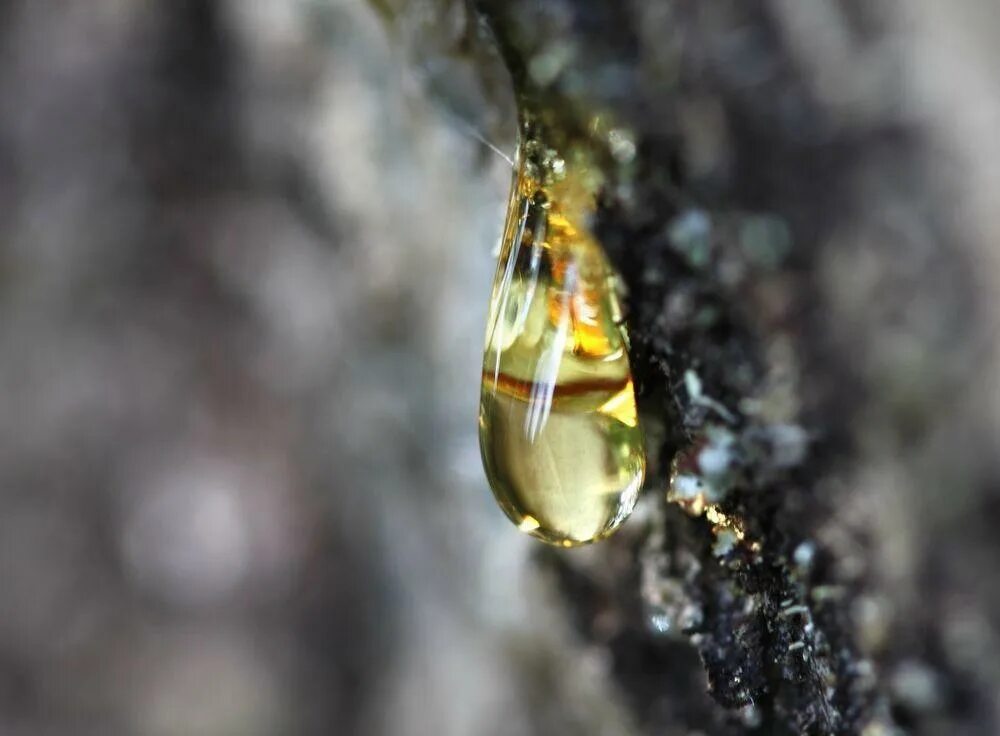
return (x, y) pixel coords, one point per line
(809, 335)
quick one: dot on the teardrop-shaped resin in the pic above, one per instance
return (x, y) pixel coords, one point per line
(558, 428)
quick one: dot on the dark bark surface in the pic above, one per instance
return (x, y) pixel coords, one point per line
(803, 304)
(244, 265)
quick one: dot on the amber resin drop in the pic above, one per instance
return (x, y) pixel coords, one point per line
(558, 427)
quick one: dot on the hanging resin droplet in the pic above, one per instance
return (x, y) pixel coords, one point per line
(558, 428)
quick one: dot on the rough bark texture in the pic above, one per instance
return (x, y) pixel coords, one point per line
(244, 264)
(810, 338)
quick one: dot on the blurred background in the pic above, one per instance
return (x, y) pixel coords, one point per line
(245, 252)
(244, 273)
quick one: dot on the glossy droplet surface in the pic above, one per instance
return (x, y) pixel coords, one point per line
(558, 428)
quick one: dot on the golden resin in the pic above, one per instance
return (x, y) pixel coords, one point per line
(558, 428)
